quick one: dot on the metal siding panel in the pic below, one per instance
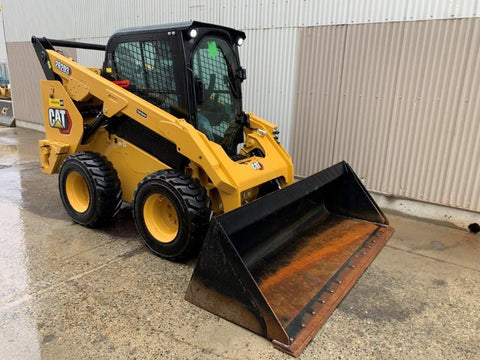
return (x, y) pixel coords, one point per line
(367, 97)
(91, 58)
(461, 186)
(426, 113)
(125, 13)
(325, 12)
(3, 48)
(86, 18)
(76, 19)
(441, 9)
(25, 74)
(376, 11)
(408, 108)
(248, 14)
(319, 66)
(253, 14)
(98, 18)
(100, 22)
(23, 19)
(269, 57)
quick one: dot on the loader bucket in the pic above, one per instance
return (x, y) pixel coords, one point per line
(280, 265)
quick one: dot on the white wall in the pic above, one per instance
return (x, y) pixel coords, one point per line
(3, 48)
(68, 19)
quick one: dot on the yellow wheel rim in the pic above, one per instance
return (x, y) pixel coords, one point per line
(161, 218)
(76, 189)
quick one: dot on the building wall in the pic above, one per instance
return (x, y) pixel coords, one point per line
(391, 87)
(403, 111)
(25, 76)
(3, 48)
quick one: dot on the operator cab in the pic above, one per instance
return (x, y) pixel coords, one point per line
(191, 70)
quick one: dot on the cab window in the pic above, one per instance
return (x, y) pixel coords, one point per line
(215, 66)
(149, 67)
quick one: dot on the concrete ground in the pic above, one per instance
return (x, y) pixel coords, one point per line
(68, 292)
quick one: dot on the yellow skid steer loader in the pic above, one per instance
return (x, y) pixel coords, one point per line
(161, 126)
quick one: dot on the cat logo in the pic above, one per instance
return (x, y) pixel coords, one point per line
(59, 118)
(257, 165)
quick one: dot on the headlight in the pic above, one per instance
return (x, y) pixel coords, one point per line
(193, 33)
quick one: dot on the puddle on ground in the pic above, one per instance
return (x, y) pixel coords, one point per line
(17, 329)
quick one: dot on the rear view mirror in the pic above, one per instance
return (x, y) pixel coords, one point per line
(241, 74)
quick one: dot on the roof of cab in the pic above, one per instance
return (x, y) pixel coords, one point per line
(180, 26)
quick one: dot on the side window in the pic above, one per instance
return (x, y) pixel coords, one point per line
(149, 67)
(128, 60)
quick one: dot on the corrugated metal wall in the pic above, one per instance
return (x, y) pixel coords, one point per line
(408, 109)
(319, 74)
(463, 175)
(270, 61)
(430, 94)
(25, 76)
(369, 81)
(3, 48)
(99, 18)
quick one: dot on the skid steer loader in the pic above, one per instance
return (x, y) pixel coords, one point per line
(161, 126)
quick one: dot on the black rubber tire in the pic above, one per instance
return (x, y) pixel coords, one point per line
(104, 191)
(192, 206)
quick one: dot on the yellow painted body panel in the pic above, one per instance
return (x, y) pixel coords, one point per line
(132, 164)
(52, 154)
(55, 97)
(225, 179)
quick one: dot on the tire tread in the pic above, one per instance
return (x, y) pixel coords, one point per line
(198, 204)
(107, 185)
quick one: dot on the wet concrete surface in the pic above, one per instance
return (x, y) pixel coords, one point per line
(68, 292)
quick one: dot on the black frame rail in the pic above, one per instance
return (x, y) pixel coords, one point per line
(42, 44)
